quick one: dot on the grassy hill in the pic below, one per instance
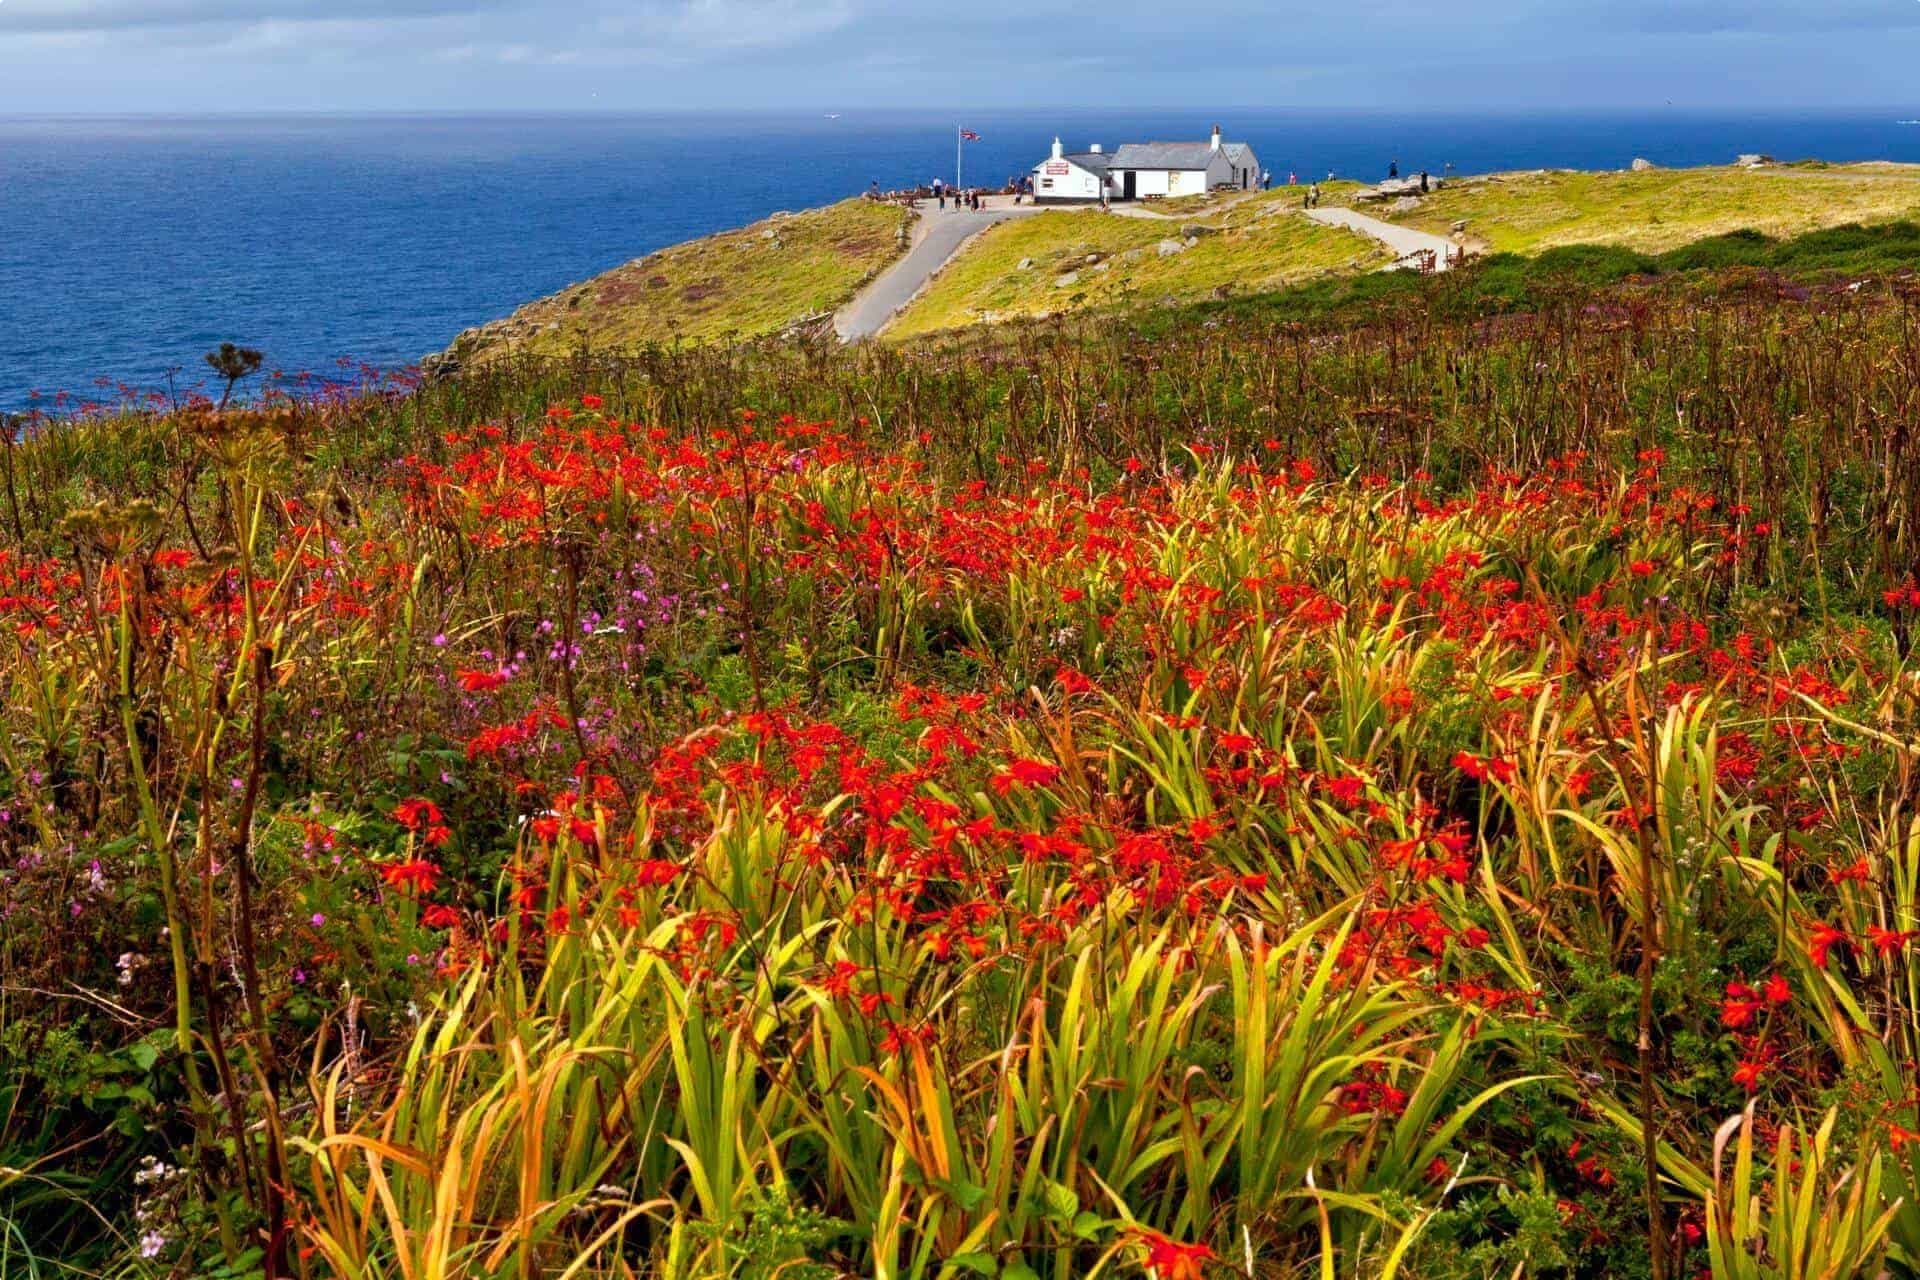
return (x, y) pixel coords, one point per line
(1085, 260)
(748, 283)
(1661, 209)
(767, 278)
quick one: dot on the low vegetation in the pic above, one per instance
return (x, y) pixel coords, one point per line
(1409, 783)
(1662, 209)
(1084, 260)
(748, 283)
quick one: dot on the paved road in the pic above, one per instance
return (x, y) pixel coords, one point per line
(1404, 241)
(939, 235)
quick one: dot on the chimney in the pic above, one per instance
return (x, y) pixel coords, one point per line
(1094, 148)
(1057, 152)
(1215, 144)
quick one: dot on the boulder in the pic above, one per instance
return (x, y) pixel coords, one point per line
(1194, 230)
(1062, 282)
(1753, 160)
(1643, 166)
(1405, 204)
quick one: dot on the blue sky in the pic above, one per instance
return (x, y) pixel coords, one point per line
(241, 55)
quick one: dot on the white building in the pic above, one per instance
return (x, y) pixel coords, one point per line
(1144, 170)
(1077, 178)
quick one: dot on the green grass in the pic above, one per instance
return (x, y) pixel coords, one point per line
(1662, 209)
(1089, 261)
(747, 283)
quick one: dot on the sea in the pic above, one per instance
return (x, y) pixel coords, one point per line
(340, 245)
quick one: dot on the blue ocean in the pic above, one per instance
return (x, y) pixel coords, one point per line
(130, 246)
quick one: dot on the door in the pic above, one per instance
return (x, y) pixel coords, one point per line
(1126, 192)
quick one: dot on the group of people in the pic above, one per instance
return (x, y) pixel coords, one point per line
(969, 198)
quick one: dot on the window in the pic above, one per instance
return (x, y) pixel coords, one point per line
(1046, 184)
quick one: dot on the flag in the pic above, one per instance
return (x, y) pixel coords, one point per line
(968, 135)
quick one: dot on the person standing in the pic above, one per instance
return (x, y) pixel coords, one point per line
(1393, 170)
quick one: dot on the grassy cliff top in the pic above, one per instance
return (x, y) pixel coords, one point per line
(1064, 261)
(748, 283)
(1660, 209)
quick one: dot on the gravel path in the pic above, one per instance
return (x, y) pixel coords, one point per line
(1404, 241)
(937, 237)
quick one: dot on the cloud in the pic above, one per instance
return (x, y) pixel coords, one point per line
(116, 15)
(1758, 18)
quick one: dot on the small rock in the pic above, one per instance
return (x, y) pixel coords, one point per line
(1061, 282)
(769, 234)
(1167, 248)
(1026, 264)
(1103, 266)
(1460, 227)
(1092, 258)
(1190, 241)
(1405, 204)
(1643, 166)
(1194, 230)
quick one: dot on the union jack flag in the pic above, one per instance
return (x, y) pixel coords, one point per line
(968, 135)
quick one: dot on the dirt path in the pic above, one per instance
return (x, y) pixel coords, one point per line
(936, 237)
(1407, 244)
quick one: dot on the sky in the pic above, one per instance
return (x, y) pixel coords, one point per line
(62, 56)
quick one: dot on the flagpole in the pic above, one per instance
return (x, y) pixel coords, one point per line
(957, 140)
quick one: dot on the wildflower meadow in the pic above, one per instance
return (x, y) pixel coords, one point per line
(1431, 794)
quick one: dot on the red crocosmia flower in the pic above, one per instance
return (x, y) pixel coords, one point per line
(1641, 568)
(439, 916)
(1889, 941)
(1438, 1170)
(1025, 773)
(1859, 872)
(1747, 1074)
(1777, 990)
(481, 681)
(1347, 791)
(1170, 1260)
(416, 874)
(416, 814)
(653, 872)
(1738, 1008)
(1825, 938)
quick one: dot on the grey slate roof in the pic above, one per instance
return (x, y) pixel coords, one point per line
(1238, 154)
(1162, 155)
(1094, 162)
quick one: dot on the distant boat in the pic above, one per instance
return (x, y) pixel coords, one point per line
(835, 115)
